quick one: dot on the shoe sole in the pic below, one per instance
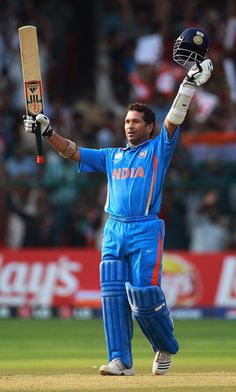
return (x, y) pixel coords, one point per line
(159, 372)
(104, 372)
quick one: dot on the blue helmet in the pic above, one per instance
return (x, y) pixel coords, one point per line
(190, 47)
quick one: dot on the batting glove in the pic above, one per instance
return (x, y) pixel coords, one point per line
(30, 125)
(200, 73)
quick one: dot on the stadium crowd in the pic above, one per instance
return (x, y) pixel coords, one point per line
(96, 58)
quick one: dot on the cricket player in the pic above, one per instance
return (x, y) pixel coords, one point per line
(131, 265)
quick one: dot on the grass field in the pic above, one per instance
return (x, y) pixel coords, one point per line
(65, 355)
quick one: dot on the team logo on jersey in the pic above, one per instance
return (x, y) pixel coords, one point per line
(142, 154)
(118, 156)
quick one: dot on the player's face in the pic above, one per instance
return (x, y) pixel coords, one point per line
(136, 129)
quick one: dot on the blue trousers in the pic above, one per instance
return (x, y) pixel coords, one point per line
(132, 252)
(138, 242)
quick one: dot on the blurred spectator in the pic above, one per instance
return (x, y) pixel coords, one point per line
(21, 166)
(214, 173)
(104, 91)
(3, 196)
(229, 44)
(210, 230)
(84, 224)
(60, 178)
(94, 114)
(160, 104)
(106, 135)
(173, 212)
(23, 229)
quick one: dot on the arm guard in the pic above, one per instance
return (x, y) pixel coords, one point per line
(181, 103)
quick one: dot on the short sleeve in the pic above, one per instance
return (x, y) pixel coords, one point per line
(92, 160)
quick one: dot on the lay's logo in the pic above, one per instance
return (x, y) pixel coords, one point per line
(125, 172)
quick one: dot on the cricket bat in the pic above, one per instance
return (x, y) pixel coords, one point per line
(32, 81)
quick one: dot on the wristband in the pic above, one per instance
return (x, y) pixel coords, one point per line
(47, 133)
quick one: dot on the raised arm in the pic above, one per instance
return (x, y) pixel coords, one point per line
(65, 147)
(196, 76)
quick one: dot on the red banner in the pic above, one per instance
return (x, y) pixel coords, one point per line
(50, 277)
(39, 277)
(200, 279)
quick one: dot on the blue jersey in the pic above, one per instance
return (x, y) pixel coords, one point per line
(135, 174)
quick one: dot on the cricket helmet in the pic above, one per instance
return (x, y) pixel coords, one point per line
(190, 47)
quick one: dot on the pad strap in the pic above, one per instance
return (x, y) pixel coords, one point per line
(69, 151)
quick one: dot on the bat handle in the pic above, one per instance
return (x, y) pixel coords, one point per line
(199, 65)
(39, 145)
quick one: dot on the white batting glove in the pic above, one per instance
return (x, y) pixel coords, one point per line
(200, 73)
(30, 125)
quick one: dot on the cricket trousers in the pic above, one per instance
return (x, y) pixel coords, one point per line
(132, 252)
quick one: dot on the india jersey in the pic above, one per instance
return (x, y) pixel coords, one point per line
(135, 175)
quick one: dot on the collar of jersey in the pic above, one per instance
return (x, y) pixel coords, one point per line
(128, 147)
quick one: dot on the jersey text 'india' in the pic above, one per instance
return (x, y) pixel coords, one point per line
(125, 172)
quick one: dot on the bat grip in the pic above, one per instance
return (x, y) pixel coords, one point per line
(39, 145)
(199, 65)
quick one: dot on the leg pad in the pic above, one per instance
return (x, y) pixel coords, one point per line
(152, 314)
(117, 316)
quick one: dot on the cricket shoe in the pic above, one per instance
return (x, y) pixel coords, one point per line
(115, 368)
(161, 363)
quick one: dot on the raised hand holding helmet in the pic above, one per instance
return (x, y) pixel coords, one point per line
(200, 73)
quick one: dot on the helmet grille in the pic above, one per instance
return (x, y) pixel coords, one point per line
(186, 52)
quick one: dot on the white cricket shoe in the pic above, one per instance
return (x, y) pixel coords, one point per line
(161, 363)
(115, 368)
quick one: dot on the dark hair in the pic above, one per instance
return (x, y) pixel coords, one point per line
(148, 114)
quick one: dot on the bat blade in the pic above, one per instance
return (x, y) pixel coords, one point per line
(32, 81)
